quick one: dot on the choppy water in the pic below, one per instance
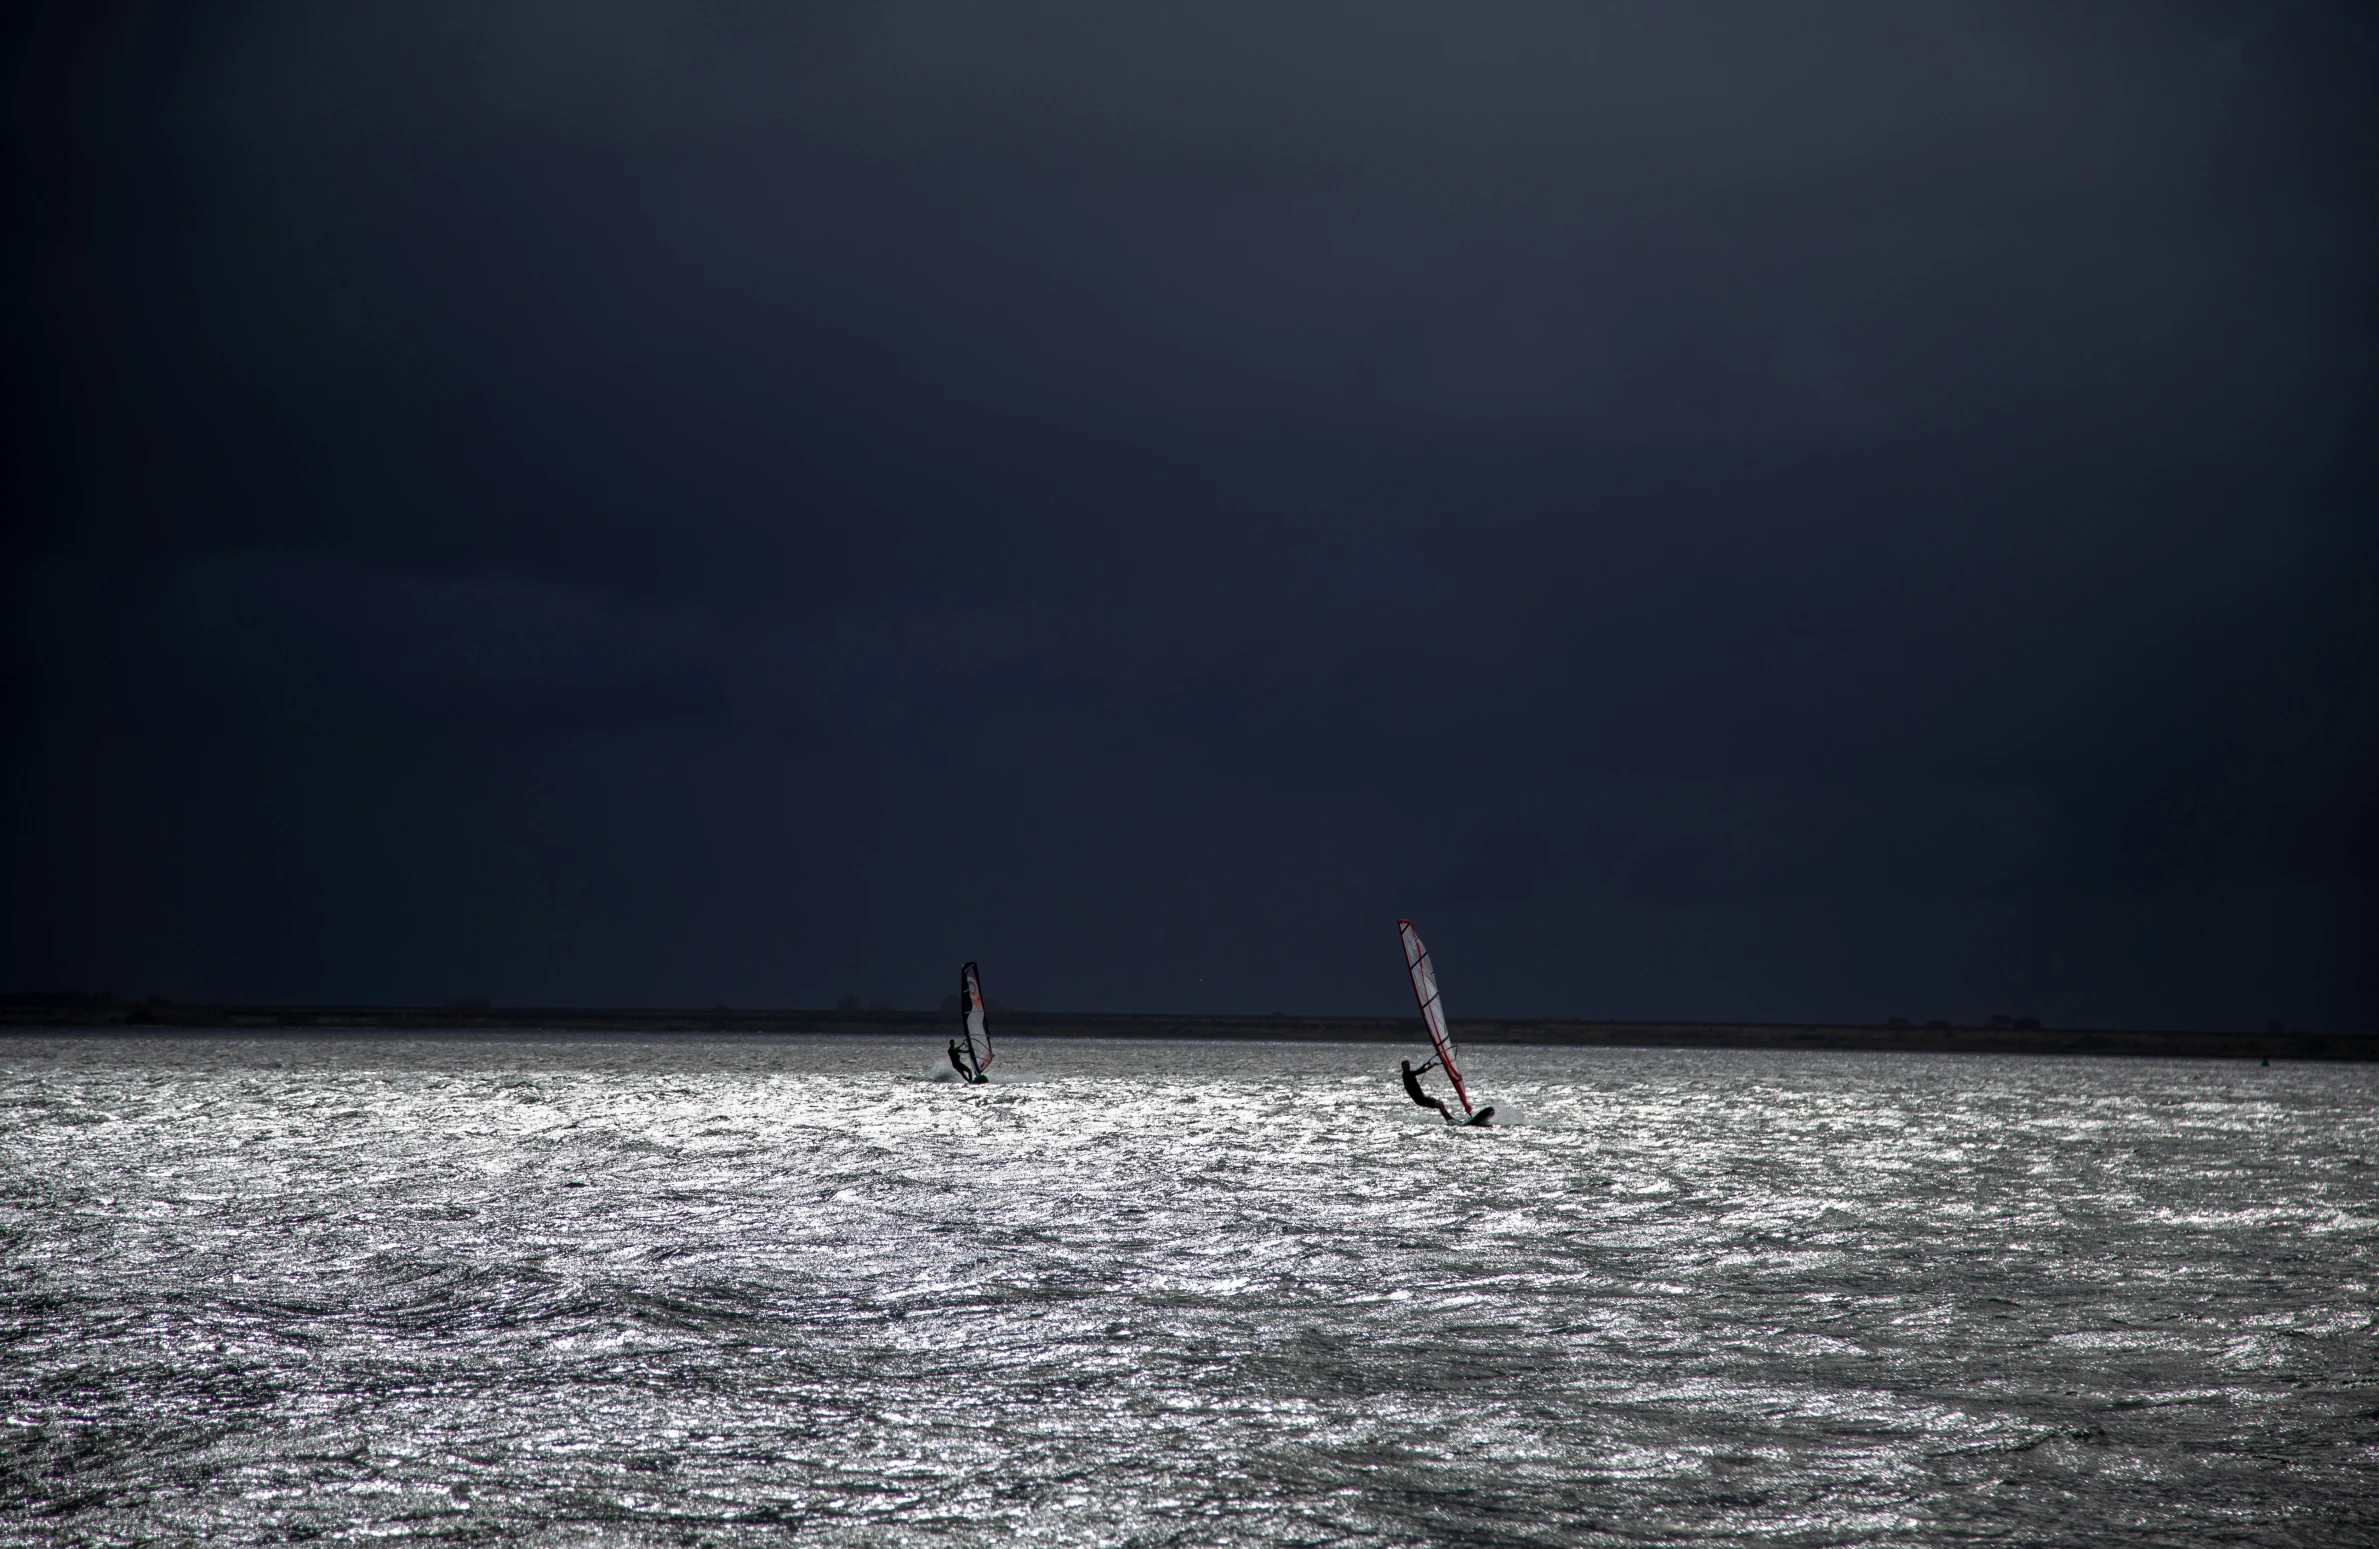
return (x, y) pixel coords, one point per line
(750, 1290)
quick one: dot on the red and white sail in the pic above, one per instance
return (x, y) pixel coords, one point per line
(1433, 1011)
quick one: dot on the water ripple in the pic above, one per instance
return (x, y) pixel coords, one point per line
(723, 1291)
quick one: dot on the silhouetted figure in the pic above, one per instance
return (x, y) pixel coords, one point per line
(1412, 1089)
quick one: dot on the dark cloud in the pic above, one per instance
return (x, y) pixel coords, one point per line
(1764, 512)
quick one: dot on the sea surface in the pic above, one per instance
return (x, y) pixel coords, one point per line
(749, 1290)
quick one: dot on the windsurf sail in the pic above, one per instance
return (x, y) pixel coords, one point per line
(974, 1035)
(1433, 1011)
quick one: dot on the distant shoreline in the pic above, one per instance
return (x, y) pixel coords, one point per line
(91, 1014)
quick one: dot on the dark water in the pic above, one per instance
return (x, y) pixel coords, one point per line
(749, 1290)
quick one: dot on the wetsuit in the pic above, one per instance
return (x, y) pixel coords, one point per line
(1412, 1089)
(960, 1063)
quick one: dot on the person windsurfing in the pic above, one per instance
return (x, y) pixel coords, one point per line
(1441, 1037)
(970, 1051)
(1412, 1089)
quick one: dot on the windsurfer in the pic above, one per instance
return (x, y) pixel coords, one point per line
(1412, 1089)
(970, 1051)
(1433, 1019)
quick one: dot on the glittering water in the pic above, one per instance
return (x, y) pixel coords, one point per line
(753, 1290)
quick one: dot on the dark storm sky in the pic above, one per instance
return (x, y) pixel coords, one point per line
(1788, 512)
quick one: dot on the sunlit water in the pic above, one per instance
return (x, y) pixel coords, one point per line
(770, 1290)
